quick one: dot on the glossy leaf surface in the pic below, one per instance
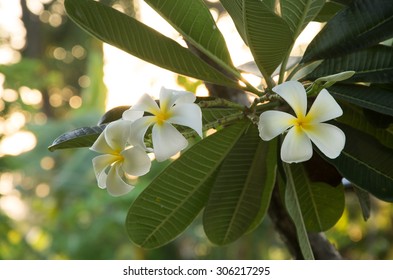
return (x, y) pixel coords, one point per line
(82, 137)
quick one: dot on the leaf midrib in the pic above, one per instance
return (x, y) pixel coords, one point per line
(310, 196)
(180, 205)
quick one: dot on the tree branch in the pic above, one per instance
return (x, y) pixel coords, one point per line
(322, 248)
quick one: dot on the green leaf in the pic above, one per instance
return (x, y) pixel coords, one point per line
(235, 11)
(176, 196)
(377, 119)
(252, 68)
(366, 163)
(354, 116)
(79, 138)
(268, 35)
(268, 173)
(328, 11)
(241, 190)
(136, 38)
(369, 97)
(292, 203)
(334, 78)
(298, 13)
(342, 2)
(373, 65)
(364, 201)
(193, 20)
(321, 204)
(113, 114)
(351, 30)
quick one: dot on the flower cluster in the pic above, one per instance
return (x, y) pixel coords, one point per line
(124, 152)
(122, 143)
(305, 127)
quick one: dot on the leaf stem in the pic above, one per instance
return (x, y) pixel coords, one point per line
(220, 102)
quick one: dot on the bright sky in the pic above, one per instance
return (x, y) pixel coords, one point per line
(137, 77)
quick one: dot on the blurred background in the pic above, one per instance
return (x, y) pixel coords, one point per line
(54, 77)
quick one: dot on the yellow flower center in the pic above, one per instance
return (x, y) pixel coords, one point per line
(300, 121)
(162, 116)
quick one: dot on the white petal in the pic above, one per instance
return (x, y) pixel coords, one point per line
(273, 123)
(188, 115)
(136, 161)
(101, 146)
(329, 139)
(167, 141)
(167, 99)
(324, 108)
(132, 114)
(295, 95)
(296, 146)
(117, 133)
(146, 103)
(184, 97)
(100, 164)
(115, 183)
(101, 180)
(170, 97)
(138, 131)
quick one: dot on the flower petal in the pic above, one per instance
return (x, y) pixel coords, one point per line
(132, 114)
(295, 95)
(138, 131)
(324, 108)
(329, 139)
(167, 141)
(100, 164)
(273, 123)
(167, 99)
(117, 133)
(101, 146)
(296, 146)
(184, 97)
(170, 97)
(115, 183)
(188, 115)
(146, 103)
(136, 161)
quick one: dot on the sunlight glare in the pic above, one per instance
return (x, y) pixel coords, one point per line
(127, 77)
(14, 207)
(17, 143)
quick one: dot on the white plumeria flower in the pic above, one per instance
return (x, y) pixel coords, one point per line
(305, 127)
(118, 159)
(176, 107)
